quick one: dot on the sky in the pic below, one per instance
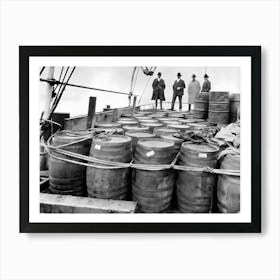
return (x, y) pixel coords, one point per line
(75, 100)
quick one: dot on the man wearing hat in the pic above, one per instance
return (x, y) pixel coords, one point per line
(158, 90)
(206, 87)
(193, 90)
(178, 90)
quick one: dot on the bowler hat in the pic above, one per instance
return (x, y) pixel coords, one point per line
(179, 74)
(193, 75)
(206, 76)
(159, 74)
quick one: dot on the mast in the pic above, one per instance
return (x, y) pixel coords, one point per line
(47, 91)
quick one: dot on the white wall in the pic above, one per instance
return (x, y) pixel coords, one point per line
(139, 256)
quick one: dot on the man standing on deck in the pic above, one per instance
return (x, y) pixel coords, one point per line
(178, 90)
(158, 90)
(193, 90)
(206, 87)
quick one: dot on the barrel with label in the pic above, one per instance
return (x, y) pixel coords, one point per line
(152, 190)
(135, 136)
(201, 104)
(107, 125)
(104, 182)
(195, 188)
(234, 107)
(218, 112)
(165, 131)
(65, 177)
(228, 187)
(177, 141)
(151, 125)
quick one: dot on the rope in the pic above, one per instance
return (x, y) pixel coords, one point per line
(144, 89)
(93, 162)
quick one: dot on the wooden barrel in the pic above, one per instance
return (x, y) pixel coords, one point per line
(177, 141)
(180, 127)
(135, 128)
(65, 177)
(201, 104)
(234, 114)
(176, 115)
(194, 189)
(228, 186)
(197, 126)
(128, 122)
(126, 119)
(135, 136)
(117, 130)
(165, 131)
(110, 183)
(148, 121)
(152, 190)
(107, 125)
(144, 117)
(44, 158)
(151, 126)
(157, 115)
(166, 123)
(218, 107)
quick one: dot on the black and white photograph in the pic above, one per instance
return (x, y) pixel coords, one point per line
(164, 142)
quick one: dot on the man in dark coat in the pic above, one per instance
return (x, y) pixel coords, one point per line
(178, 90)
(158, 90)
(206, 87)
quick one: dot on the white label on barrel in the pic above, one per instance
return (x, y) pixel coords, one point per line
(149, 154)
(97, 147)
(203, 155)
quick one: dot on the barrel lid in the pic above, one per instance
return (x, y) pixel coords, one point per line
(201, 125)
(127, 122)
(126, 119)
(155, 143)
(129, 127)
(67, 137)
(155, 124)
(114, 139)
(112, 124)
(206, 148)
(117, 129)
(171, 122)
(172, 138)
(163, 129)
(179, 126)
(148, 120)
(139, 134)
(176, 115)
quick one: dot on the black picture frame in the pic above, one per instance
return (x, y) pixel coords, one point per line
(25, 52)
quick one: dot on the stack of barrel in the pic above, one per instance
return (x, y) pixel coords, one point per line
(201, 104)
(194, 187)
(66, 177)
(153, 189)
(105, 181)
(228, 186)
(218, 112)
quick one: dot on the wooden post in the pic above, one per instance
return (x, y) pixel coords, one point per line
(134, 104)
(47, 92)
(91, 112)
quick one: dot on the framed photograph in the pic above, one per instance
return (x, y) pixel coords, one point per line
(110, 145)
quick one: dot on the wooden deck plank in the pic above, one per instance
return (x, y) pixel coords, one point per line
(52, 203)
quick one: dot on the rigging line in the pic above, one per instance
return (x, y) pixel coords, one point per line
(144, 89)
(86, 87)
(42, 70)
(136, 76)
(60, 86)
(60, 95)
(59, 78)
